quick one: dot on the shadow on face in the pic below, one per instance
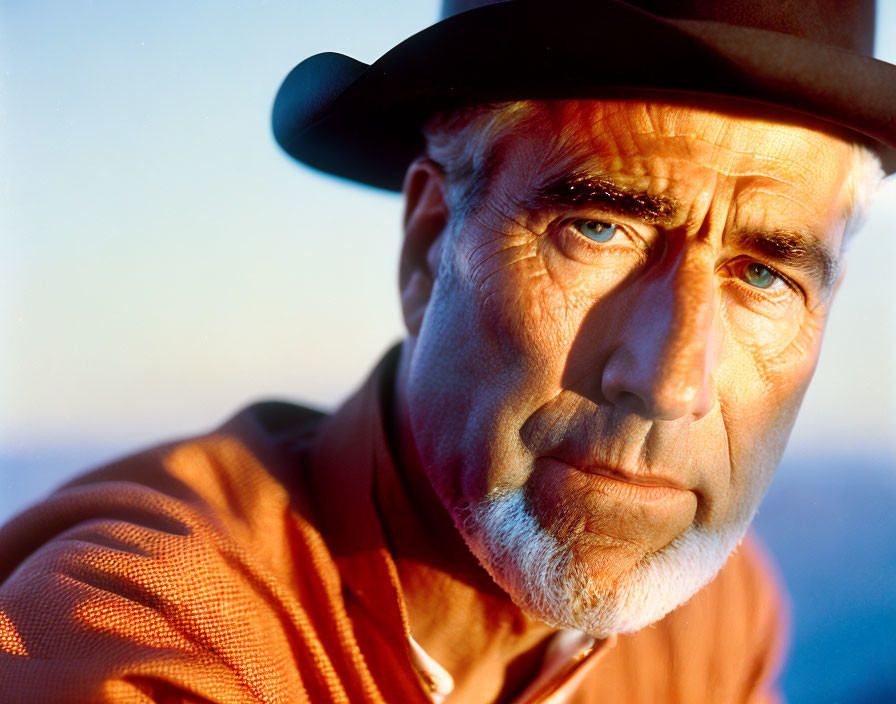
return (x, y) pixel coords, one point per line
(624, 327)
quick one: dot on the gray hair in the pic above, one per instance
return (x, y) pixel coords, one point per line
(863, 181)
(466, 144)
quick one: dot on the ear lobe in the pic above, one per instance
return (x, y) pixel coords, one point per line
(425, 218)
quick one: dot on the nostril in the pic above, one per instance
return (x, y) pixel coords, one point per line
(656, 391)
(632, 403)
(619, 383)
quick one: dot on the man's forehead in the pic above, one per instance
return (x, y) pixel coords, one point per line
(640, 141)
(779, 187)
(682, 153)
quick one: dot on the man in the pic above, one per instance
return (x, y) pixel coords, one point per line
(614, 289)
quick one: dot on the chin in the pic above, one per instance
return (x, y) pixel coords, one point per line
(546, 578)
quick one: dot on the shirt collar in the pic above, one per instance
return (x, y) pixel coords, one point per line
(342, 476)
(351, 452)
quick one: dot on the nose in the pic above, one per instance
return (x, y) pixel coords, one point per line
(663, 364)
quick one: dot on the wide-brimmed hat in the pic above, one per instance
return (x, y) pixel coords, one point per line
(806, 57)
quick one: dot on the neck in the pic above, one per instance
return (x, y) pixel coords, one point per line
(457, 613)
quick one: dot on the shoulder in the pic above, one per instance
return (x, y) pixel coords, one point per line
(741, 615)
(724, 645)
(177, 559)
(219, 482)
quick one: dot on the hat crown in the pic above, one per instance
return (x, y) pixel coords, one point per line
(796, 58)
(841, 23)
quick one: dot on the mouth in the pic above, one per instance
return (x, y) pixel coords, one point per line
(629, 486)
(601, 505)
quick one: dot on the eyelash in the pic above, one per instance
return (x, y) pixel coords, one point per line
(757, 294)
(569, 225)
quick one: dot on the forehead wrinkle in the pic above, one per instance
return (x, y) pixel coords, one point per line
(716, 170)
(726, 126)
(664, 120)
(659, 185)
(596, 140)
(747, 194)
(779, 135)
(733, 168)
(596, 161)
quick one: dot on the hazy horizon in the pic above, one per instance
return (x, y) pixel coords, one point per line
(165, 263)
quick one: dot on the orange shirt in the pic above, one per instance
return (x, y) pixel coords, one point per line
(249, 565)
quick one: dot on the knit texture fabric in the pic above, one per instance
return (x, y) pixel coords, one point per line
(249, 566)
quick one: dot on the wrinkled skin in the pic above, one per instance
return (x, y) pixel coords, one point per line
(633, 388)
(651, 353)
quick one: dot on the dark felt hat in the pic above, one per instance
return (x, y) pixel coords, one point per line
(807, 57)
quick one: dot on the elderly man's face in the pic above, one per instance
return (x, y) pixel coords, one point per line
(616, 345)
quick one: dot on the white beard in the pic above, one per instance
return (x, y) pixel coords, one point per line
(545, 578)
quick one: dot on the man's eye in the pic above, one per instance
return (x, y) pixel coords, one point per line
(595, 229)
(760, 276)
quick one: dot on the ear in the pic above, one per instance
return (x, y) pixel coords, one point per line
(425, 218)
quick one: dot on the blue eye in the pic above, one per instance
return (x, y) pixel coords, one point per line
(596, 230)
(759, 276)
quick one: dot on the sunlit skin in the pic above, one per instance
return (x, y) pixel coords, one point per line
(637, 372)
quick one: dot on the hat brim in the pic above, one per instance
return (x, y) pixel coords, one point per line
(362, 122)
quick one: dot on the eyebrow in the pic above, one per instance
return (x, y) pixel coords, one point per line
(793, 248)
(580, 190)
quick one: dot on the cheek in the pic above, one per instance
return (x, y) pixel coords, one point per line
(776, 331)
(760, 388)
(772, 358)
(515, 297)
(769, 354)
(490, 351)
(515, 316)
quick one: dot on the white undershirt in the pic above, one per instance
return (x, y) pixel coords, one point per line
(564, 647)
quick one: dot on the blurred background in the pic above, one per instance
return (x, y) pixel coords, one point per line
(162, 264)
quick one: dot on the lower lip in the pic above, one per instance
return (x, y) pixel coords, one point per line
(621, 490)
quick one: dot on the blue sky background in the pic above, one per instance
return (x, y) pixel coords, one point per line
(162, 264)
